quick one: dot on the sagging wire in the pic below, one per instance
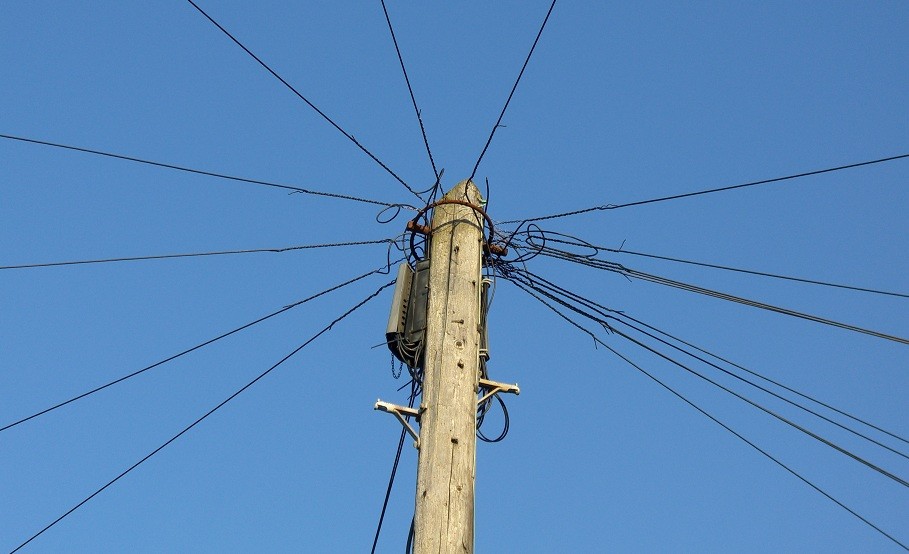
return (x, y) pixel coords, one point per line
(484, 407)
(481, 415)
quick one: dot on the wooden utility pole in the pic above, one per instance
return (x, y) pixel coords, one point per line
(446, 471)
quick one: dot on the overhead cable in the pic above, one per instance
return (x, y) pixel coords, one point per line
(707, 191)
(715, 420)
(200, 254)
(303, 98)
(413, 98)
(510, 94)
(597, 248)
(208, 173)
(766, 390)
(208, 413)
(382, 269)
(621, 316)
(628, 272)
(768, 380)
(791, 423)
(414, 390)
(769, 412)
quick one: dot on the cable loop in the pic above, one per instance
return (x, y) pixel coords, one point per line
(415, 227)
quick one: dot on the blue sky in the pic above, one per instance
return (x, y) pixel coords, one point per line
(620, 103)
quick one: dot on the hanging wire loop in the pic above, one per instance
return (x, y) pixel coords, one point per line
(415, 227)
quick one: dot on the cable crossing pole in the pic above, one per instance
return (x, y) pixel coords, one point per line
(446, 469)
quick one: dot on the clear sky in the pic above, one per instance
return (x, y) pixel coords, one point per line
(621, 102)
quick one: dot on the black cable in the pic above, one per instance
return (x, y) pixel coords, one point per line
(207, 173)
(766, 454)
(413, 99)
(198, 254)
(391, 481)
(620, 315)
(194, 348)
(627, 272)
(764, 306)
(513, 88)
(394, 467)
(505, 425)
(708, 191)
(408, 546)
(714, 419)
(584, 244)
(794, 425)
(208, 413)
(303, 98)
(769, 380)
(764, 389)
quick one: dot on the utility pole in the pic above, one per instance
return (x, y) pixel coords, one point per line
(446, 470)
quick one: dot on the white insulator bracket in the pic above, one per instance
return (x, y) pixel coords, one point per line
(402, 413)
(494, 387)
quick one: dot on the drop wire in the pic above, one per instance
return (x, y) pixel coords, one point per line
(715, 420)
(199, 254)
(413, 98)
(208, 413)
(707, 191)
(382, 269)
(584, 244)
(754, 404)
(206, 173)
(304, 99)
(511, 94)
(628, 272)
(620, 316)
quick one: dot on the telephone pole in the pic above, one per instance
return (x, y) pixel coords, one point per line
(446, 470)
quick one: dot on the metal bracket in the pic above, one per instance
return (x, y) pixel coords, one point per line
(496, 387)
(402, 412)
